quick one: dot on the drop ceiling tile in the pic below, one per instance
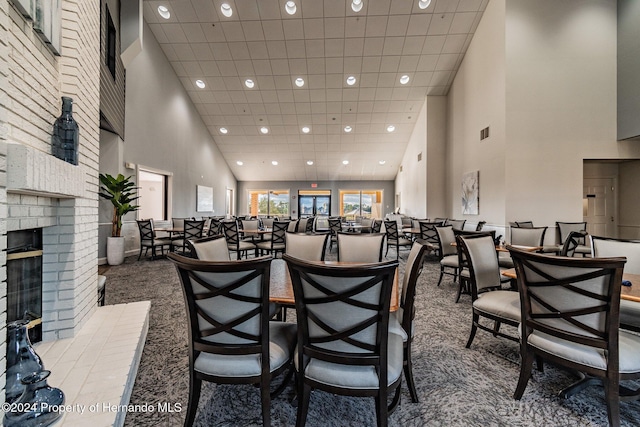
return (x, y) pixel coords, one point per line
(169, 52)
(258, 50)
(413, 45)
(158, 32)
(380, 7)
(368, 80)
(239, 50)
(418, 94)
(175, 33)
(333, 81)
(462, 22)
(245, 68)
(269, 9)
(232, 31)
(440, 24)
(285, 96)
(272, 108)
(318, 96)
(246, 10)
(454, 43)
(401, 7)
(334, 48)
(317, 81)
(437, 90)
(270, 96)
(367, 94)
(192, 68)
(408, 64)
(446, 62)
(202, 51)
(313, 28)
(334, 65)
(400, 93)
(279, 67)
(352, 65)
(273, 30)
(253, 30)
(303, 108)
(179, 69)
(205, 11)
(376, 26)
(315, 65)
(213, 32)
(371, 64)
(293, 29)
(383, 94)
(334, 28)
(184, 11)
(393, 45)
(373, 46)
(419, 25)
(314, 48)
(443, 6)
(427, 62)
(296, 49)
(386, 80)
(194, 33)
(283, 82)
(390, 64)
(237, 97)
(350, 94)
(334, 95)
(220, 51)
(397, 25)
(265, 82)
(355, 26)
(312, 9)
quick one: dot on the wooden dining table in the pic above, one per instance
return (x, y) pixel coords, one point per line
(281, 288)
(630, 293)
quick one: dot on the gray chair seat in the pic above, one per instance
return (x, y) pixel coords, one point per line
(282, 337)
(242, 246)
(267, 246)
(629, 313)
(628, 346)
(505, 260)
(353, 376)
(396, 328)
(505, 304)
(551, 249)
(583, 249)
(450, 261)
(401, 241)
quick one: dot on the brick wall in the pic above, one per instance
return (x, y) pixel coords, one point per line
(32, 82)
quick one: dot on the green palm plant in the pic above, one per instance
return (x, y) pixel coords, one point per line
(120, 191)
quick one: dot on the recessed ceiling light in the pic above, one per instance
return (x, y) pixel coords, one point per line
(264, 130)
(404, 80)
(226, 10)
(391, 128)
(239, 163)
(309, 162)
(274, 162)
(299, 82)
(423, 4)
(224, 130)
(249, 83)
(305, 129)
(345, 162)
(200, 84)
(382, 162)
(290, 7)
(351, 80)
(164, 12)
(356, 5)
(348, 129)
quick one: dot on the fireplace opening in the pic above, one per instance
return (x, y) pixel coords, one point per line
(24, 279)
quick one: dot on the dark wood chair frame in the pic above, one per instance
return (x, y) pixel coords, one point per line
(380, 274)
(308, 228)
(393, 238)
(605, 339)
(192, 250)
(524, 224)
(441, 255)
(278, 234)
(187, 267)
(573, 240)
(376, 225)
(407, 302)
(480, 225)
(192, 231)
(215, 227)
(148, 239)
(429, 234)
(232, 234)
(335, 226)
(363, 236)
(463, 261)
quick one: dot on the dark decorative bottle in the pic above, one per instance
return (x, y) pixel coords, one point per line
(22, 360)
(64, 140)
(38, 406)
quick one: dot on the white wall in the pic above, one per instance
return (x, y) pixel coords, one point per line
(477, 100)
(436, 154)
(629, 200)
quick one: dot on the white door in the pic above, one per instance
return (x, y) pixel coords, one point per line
(229, 203)
(599, 206)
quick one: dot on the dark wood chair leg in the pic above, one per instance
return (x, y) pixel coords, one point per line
(265, 397)
(408, 372)
(474, 329)
(441, 275)
(612, 396)
(382, 411)
(194, 396)
(526, 365)
(304, 394)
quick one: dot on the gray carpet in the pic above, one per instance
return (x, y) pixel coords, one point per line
(456, 386)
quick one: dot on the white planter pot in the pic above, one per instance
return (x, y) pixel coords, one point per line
(115, 250)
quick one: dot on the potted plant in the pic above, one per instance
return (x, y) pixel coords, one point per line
(120, 191)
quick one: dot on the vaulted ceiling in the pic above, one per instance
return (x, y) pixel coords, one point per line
(323, 43)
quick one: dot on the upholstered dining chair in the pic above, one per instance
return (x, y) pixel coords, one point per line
(610, 247)
(344, 346)
(308, 228)
(376, 225)
(570, 316)
(401, 321)
(448, 253)
(215, 226)
(489, 301)
(480, 225)
(360, 247)
(565, 228)
(429, 234)
(148, 239)
(523, 236)
(234, 242)
(231, 340)
(277, 243)
(571, 243)
(309, 247)
(335, 226)
(210, 248)
(192, 231)
(394, 239)
(464, 277)
(457, 224)
(524, 224)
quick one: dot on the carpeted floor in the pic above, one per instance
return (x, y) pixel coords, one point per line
(456, 386)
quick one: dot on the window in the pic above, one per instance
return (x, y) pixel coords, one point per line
(110, 51)
(268, 202)
(366, 203)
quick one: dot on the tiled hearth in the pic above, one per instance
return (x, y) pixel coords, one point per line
(96, 368)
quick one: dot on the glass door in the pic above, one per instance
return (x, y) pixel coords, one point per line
(314, 203)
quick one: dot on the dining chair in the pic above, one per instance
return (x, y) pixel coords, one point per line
(401, 322)
(215, 226)
(449, 263)
(394, 238)
(344, 346)
(192, 231)
(570, 315)
(302, 225)
(429, 234)
(524, 224)
(249, 229)
(376, 226)
(309, 247)
(210, 248)
(565, 228)
(464, 276)
(234, 243)
(335, 226)
(442, 221)
(457, 224)
(293, 226)
(230, 335)
(148, 239)
(523, 236)
(480, 225)
(309, 224)
(489, 301)
(571, 243)
(360, 247)
(278, 242)
(610, 247)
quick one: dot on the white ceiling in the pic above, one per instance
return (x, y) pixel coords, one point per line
(324, 43)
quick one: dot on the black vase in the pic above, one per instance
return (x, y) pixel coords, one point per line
(22, 360)
(39, 404)
(64, 140)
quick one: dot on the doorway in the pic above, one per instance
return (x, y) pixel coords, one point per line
(229, 210)
(153, 189)
(314, 203)
(599, 206)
